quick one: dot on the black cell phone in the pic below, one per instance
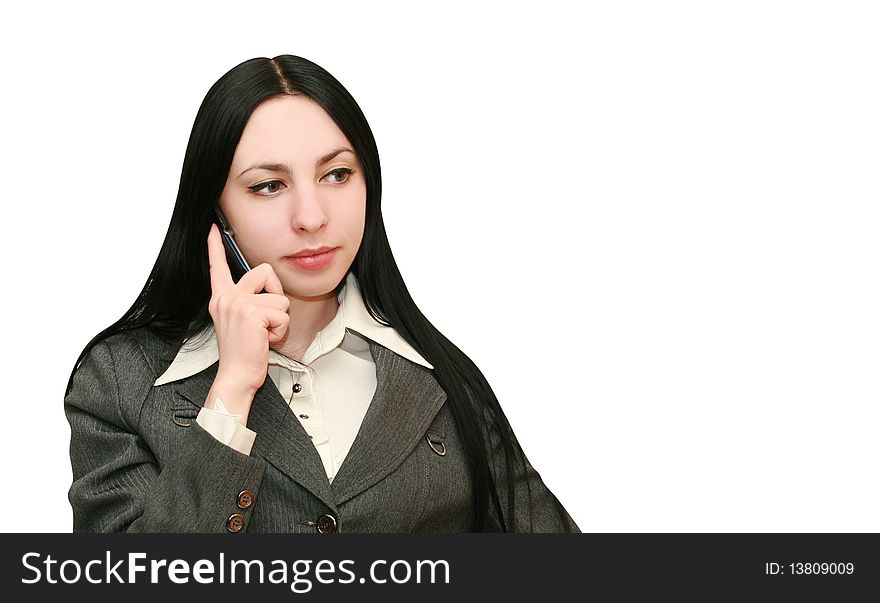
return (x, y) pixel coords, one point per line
(237, 264)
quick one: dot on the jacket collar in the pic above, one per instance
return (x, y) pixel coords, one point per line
(351, 314)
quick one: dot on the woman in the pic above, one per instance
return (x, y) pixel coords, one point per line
(371, 421)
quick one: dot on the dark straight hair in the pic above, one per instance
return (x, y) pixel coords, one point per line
(173, 304)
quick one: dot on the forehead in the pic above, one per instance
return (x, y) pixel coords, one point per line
(291, 128)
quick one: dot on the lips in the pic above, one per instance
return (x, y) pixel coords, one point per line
(312, 262)
(309, 252)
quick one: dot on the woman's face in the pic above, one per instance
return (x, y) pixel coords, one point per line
(304, 201)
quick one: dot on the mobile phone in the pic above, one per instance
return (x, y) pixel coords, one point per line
(237, 264)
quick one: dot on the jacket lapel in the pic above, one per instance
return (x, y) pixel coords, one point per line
(406, 400)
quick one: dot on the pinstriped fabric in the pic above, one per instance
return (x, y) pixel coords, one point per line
(141, 463)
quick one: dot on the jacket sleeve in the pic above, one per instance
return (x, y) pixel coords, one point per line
(118, 485)
(536, 508)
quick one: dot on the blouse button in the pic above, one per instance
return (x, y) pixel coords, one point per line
(304, 416)
(297, 388)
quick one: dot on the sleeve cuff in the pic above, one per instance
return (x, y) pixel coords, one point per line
(226, 428)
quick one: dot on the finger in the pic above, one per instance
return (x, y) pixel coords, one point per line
(273, 283)
(271, 300)
(276, 322)
(261, 278)
(221, 277)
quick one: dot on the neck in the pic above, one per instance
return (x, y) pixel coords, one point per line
(308, 315)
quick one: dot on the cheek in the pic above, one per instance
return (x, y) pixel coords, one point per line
(262, 230)
(359, 226)
(353, 218)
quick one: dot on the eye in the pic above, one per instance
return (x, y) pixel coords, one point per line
(342, 175)
(263, 185)
(342, 172)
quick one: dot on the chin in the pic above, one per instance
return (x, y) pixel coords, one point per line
(318, 284)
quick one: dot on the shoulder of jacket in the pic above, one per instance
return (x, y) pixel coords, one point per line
(143, 344)
(140, 356)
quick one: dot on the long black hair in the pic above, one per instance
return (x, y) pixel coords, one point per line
(173, 304)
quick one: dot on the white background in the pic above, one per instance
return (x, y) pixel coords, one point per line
(653, 226)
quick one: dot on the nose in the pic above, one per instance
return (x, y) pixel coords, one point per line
(307, 209)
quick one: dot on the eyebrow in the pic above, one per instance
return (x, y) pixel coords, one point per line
(283, 167)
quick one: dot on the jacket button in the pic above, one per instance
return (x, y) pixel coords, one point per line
(326, 523)
(235, 523)
(297, 388)
(245, 499)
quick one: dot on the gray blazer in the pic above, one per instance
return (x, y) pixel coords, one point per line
(141, 463)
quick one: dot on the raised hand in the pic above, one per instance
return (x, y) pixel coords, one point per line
(245, 321)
